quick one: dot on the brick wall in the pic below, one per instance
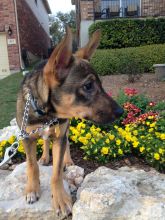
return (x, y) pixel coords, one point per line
(153, 7)
(7, 18)
(86, 9)
(32, 36)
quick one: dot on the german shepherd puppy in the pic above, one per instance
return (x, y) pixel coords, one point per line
(66, 87)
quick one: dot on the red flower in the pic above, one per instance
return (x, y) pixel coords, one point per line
(152, 104)
(130, 91)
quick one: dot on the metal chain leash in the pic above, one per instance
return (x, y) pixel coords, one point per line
(12, 150)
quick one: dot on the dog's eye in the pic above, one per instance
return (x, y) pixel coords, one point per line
(88, 87)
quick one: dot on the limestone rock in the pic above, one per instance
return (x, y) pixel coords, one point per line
(74, 175)
(13, 122)
(8, 131)
(12, 201)
(124, 194)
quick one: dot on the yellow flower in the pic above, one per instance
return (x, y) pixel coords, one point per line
(147, 123)
(118, 142)
(150, 130)
(134, 139)
(21, 149)
(83, 140)
(88, 136)
(83, 125)
(40, 141)
(111, 137)
(135, 144)
(73, 138)
(107, 141)
(156, 156)
(152, 125)
(11, 139)
(82, 131)
(161, 151)
(150, 117)
(162, 136)
(104, 150)
(135, 132)
(98, 129)
(93, 141)
(127, 128)
(120, 151)
(142, 149)
(128, 137)
(3, 143)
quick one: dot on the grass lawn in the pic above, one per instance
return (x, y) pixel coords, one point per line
(9, 87)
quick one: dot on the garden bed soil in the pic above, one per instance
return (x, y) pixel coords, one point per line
(147, 85)
(90, 166)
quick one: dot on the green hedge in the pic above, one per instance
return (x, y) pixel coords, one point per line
(112, 61)
(121, 33)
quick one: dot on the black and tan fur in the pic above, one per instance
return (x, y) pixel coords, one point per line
(66, 87)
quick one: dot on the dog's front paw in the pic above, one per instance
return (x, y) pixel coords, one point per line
(32, 194)
(32, 197)
(44, 160)
(62, 202)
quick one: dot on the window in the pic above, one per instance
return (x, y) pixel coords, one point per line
(122, 8)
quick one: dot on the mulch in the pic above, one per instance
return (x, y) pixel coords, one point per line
(91, 165)
(147, 85)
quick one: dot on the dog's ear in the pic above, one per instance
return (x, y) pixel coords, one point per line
(60, 59)
(87, 51)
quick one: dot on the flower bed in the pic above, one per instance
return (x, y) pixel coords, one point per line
(140, 132)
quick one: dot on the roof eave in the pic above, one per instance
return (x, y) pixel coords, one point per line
(46, 4)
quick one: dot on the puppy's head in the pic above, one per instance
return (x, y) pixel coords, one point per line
(74, 86)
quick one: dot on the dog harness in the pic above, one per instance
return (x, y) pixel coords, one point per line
(42, 131)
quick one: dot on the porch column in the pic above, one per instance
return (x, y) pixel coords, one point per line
(121, 8)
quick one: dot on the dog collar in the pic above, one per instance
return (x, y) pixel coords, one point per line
(39, 111)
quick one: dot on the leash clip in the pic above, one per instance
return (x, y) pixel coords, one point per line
(9, 153)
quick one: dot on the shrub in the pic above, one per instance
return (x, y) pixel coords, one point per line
(121, 33)
(128, 60)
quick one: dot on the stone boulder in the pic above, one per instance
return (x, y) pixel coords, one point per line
(8, 131)
(124, 194)
(12, 201)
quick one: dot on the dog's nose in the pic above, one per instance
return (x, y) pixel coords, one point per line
(119, 111)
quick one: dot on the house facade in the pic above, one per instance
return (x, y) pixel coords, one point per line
(89, 11)
(24, 26)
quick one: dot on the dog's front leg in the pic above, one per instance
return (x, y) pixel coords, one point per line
(61, 200)
(33, 185)
(67, 157)
(44, 160)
